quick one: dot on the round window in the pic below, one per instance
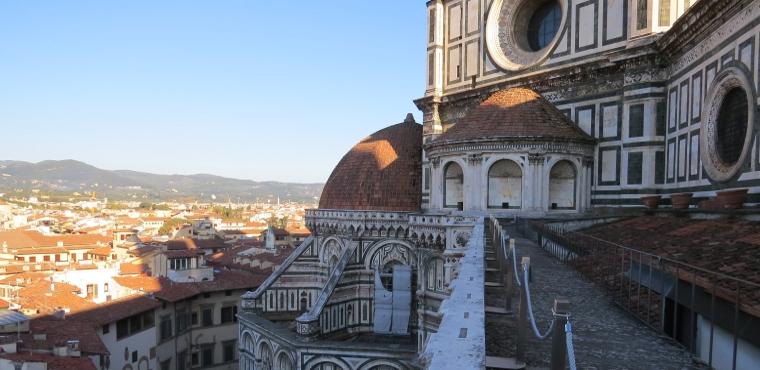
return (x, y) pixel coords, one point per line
(544, 24)
(727, 123)
(523, 33)
(732, 126)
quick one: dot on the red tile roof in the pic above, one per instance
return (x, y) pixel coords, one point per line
(131, 268)
(58, 331)
(516, 113)
(19, 239)
(53, 362)
(44, 297)
(102, 251)
(165, 289)
(382, 172)
(115, 310)
(728, 246)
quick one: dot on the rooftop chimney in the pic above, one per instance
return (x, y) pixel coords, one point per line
(409, 118)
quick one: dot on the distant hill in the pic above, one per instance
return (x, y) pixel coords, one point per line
(70, 176)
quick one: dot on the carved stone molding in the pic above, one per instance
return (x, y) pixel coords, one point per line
(588, 161)
(535, 159)
(475, 159)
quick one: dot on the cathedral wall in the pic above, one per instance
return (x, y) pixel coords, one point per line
(459, 60)
(732, 50)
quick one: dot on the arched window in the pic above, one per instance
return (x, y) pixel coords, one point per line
(333, 262)
(544, 24)
(284, 362)
(265, 356)
(732, 125)
(453, 186)
(562, 185)
(505, 185)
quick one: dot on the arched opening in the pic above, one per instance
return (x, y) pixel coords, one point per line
(436, 275)
(303, 304)
(265, 356)
(247, 357)
(326, 366)
(333, 262)
(284, 362)
(453, 186)
(505, 185)
(562, 185)
(393, 298)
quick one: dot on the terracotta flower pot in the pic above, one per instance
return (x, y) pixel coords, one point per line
(681, 201)
(732, 199)
(652, 201)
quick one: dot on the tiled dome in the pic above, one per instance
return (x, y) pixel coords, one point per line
(382, 172)
(516, 113)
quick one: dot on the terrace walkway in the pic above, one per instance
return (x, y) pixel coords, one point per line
(604, 335)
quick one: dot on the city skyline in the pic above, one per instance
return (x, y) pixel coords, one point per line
(142, 86)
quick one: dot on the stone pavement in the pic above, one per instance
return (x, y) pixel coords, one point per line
(605, 336)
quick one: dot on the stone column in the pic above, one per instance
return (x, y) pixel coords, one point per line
(537, 188)
(436, 184)
(588, 170)
(473, 184)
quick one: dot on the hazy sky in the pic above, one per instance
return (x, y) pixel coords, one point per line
(257, 89)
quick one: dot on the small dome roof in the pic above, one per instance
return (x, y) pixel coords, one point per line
(383, 172)
(516, 113)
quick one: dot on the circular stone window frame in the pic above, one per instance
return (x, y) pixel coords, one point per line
(507, 47)
(732, 76)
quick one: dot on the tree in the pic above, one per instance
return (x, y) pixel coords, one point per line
(281, 222)
(170, 225)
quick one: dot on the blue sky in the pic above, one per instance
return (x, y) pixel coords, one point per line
(256, 89)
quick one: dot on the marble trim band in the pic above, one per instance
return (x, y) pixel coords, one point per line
(510, 146)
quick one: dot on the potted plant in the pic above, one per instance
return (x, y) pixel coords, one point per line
(652, 201)
(732, 199)
(681, 201)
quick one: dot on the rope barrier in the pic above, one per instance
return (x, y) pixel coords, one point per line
(569, 343)
(526, 284)
(530, 309)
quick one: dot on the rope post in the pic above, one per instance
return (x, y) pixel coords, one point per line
(522, 322)
(559, 344)
(509, 277)
(499, 251)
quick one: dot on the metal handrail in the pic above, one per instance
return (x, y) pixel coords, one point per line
(652, 255)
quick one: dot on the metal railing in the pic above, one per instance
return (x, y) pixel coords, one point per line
(560, 329)
(705, 311)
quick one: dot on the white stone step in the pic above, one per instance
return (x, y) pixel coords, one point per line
(504, 363)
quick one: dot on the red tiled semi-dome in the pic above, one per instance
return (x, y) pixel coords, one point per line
(381, 173)
(516, 113)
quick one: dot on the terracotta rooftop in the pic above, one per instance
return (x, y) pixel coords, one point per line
(165, 289)
(17, 239)
(516, 113)
(382, 172)
(132, 268)
(115, 310)
(101, 251)
(58, 331)
(53, 362)
(44, 297)
(727, 246)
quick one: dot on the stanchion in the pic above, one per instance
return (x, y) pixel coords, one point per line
(559, 343)
(522, 322)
